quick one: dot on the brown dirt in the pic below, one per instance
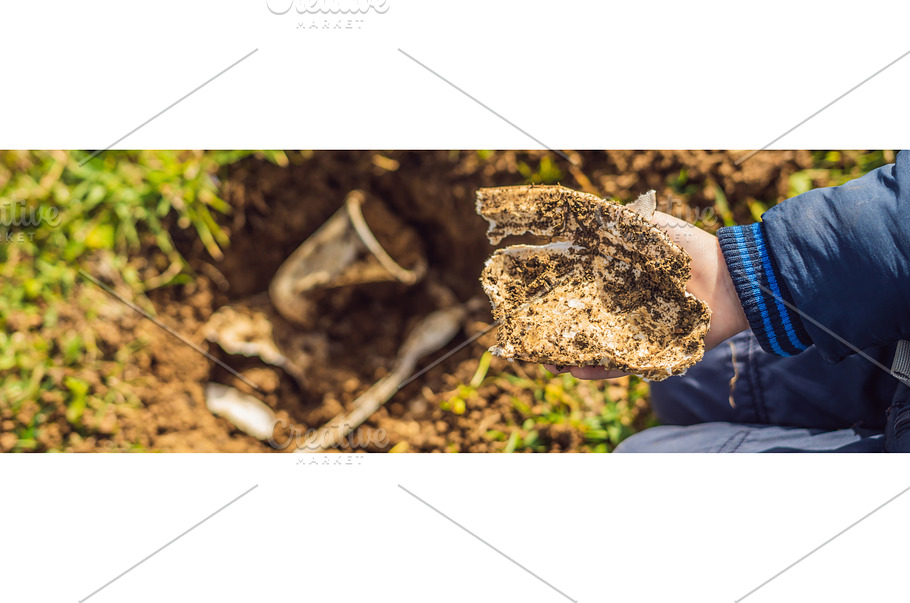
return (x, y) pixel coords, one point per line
(275, 209)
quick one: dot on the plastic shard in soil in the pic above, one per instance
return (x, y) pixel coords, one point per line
(607, 290)
(348, 250)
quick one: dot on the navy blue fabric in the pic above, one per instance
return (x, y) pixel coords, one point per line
(897, 429)
(843, 256)
(740, 398)
(827, 268)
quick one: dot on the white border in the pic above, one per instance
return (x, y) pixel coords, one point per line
(598, 527)
(575, 75)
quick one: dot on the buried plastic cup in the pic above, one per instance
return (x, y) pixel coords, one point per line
(345, 252)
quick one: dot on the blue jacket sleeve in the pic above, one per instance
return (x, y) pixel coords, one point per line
(830, 267)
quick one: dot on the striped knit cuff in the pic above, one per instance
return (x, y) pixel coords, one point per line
(763, 294)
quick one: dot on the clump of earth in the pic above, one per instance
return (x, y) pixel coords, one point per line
(609, 289)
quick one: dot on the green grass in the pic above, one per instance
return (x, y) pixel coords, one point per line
(111, 206)
(604, 413)
(547, 172)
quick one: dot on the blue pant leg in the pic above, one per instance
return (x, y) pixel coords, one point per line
(731, 437)
(703, 394)
(897, 429)
(737, 382)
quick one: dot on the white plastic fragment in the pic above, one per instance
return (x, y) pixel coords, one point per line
(247, 413)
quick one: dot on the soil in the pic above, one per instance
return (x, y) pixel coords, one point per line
(274, 210)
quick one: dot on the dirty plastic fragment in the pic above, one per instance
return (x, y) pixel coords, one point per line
(609, 290)
(245, 412)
